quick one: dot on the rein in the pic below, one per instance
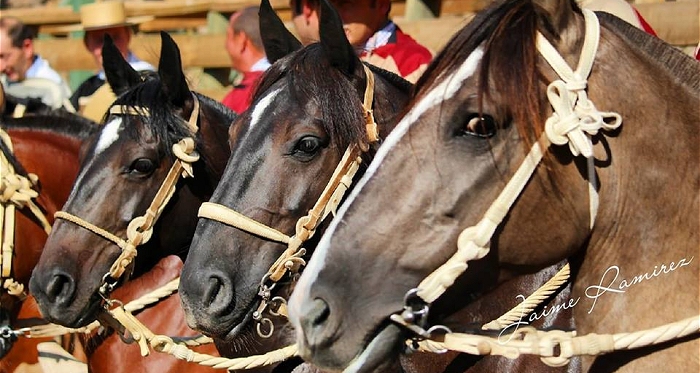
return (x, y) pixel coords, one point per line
(140, 229)
(15, 191)
(574, 121)
(292, 258)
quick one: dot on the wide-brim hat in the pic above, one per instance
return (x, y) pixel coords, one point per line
(103, 15)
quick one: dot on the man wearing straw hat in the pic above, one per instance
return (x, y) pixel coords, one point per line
(98, 19)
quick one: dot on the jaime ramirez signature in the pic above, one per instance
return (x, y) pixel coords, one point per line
(608, 283)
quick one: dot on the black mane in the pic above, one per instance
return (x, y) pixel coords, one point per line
(163, 121)
(59, 120)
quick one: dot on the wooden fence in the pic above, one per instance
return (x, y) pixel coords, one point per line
(202, 45)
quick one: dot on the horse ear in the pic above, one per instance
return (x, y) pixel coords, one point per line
(333, 40)
(277, 39)
(120, 75)
(170, 71)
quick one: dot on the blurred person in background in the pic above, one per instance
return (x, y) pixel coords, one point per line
(247, 53)
(24, 73)
(98, 19)
(378, 40)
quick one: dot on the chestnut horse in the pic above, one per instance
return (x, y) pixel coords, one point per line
(47, 145)
(120, 174)
(306, 112)
(479, 111)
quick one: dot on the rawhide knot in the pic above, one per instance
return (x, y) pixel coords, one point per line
(137, 232)
(575, 117)
(184, 150)
(17, 190)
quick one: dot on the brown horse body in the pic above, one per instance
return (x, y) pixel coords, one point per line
(479, 109)
(49, 147)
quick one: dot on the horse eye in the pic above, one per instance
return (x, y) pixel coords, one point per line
(143, 166)
(483, 126)
(308, 145)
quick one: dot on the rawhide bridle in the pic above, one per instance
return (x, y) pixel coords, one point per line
(140, 229)
(292, 259)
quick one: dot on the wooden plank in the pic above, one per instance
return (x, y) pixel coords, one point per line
(677, 22)
(433, 33)
(462, 7)
(419, 9)
(54, 15)
(44, 15)
(196, 50)
(173, 23)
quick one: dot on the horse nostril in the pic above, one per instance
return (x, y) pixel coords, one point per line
(317, 314)
(60, 288)
(218, 295)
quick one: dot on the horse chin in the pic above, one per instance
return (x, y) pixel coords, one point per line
(78, 319)
(380, 354)
(241, 327)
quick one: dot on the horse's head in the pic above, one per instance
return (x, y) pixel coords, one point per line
(306, 113)
(154, 132)
(479, 111)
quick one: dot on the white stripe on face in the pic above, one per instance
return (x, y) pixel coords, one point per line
(109, 135)
(443, 91)
(262, 106)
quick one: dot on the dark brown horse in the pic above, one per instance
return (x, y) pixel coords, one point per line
(47, 145)
(307, 110)
(285, 149)
(122, 169)
(479, 110)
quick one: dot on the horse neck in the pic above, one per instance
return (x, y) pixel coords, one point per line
(648, 177)
(56, 165)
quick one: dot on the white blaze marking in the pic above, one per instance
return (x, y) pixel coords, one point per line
(262, 106)
(109, 135)
(443, 91)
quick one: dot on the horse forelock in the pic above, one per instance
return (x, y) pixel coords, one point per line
(161, 119)
(506, 31)
(310, 78)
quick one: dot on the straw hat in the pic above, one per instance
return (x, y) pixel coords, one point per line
(104, 14)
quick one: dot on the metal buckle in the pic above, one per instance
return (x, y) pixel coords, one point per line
(108, 285)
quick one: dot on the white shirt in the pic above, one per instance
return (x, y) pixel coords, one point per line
(261, 65)
(381, 37)
(39, 78)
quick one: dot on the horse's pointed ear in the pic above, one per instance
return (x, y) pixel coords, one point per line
(170, 72)
(277, 39)
(120, 75)
(333, 40)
